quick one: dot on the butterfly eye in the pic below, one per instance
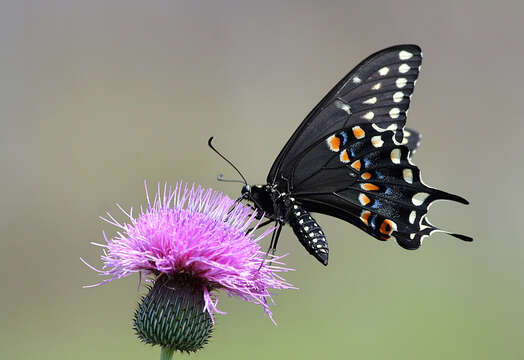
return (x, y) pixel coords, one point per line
(246, 189)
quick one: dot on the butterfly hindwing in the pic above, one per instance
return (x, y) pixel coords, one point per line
(412, 140)
(369, 180)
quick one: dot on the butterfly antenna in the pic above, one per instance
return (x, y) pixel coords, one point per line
(219, 178)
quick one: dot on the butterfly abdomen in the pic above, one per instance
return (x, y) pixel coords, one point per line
(309, 233)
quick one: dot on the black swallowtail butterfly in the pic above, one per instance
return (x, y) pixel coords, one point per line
(351, 159)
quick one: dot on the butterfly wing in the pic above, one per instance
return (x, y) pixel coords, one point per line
(376, 90)
(412, 140)
(350, 158)
(363, 175)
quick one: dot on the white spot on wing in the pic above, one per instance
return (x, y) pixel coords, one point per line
(398, 96)
(377, 141)
(412, 217)
(356, 80)
(393, 226)
(395, 156)
(404, 68)
(383, 71)
(394, 113)
(343, 106)
(376, 86)
(407, 174)
(391, 127)
(404, 55)
(401, 82)
(419, 198)
(372, 100)
(369, 115)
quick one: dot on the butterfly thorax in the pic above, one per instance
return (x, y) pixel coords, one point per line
(269, 202)
(283, 208)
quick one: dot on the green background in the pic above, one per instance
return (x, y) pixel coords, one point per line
(96, 97)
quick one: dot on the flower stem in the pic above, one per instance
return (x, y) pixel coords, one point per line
(166, 353)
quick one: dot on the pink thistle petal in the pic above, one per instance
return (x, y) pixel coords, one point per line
(194, 231)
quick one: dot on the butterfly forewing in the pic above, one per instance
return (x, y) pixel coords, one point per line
(378, 91)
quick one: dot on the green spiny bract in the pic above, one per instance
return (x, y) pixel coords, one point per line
(172, 315)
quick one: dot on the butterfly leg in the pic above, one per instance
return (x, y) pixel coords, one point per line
(274, 242)
(278, 223)
(270, 245)
(277, 236)
(259, 226)
(237, 201)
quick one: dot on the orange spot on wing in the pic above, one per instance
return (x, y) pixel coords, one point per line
(364, 199)
(358, 132)
(356, 165)
(366, 176)
(344, 157)
(365, 217)
(370, 187)
(387, 227)
(334, 143)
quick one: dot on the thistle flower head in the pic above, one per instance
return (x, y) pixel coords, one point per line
(198, 234)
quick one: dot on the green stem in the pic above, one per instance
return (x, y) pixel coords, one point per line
(166, 353)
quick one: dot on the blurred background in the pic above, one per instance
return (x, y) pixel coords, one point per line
(96, 97)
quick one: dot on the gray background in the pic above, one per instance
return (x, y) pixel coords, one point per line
(96, 97)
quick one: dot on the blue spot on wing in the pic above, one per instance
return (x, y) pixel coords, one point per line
(372, 222)
(345, 136)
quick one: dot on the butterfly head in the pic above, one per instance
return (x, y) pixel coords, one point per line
(246, 191)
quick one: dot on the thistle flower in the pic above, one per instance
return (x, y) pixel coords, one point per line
(192, 242)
